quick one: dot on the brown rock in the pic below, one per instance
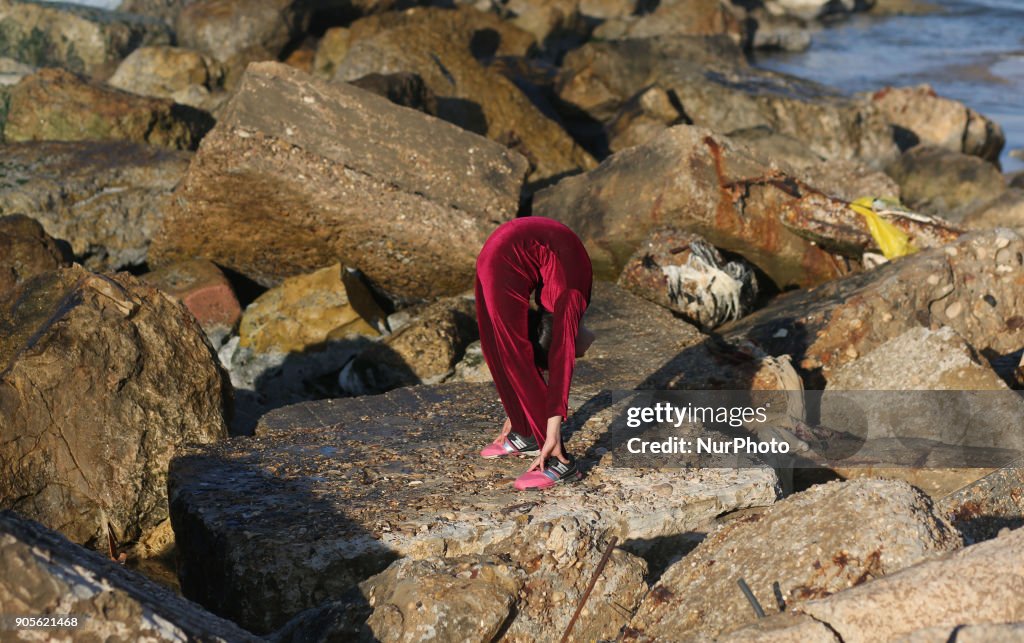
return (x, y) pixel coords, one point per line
(303, 312)
(106, 198)
(470, 95)
(425, 351)
(923, 117)
(643, 118)
(43, 574)
(980, 584)
(989, 504)
(615, 206)
(783, 628)
(403, 88)
(204, 290)
(183, 75)
(56, 105)
(814, 544)
(87, 454)
(934, 180)
(376, 185)
(333, 477)
(978, 275)
(26, 251)
(331, 50)
(678, 18)
(84, 40)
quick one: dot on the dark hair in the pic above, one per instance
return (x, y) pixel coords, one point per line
(539, 331)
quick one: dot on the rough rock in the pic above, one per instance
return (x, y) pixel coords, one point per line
(817, 9)
(783, 628)
(323, 171)
(1006, 210)
(987, 505)
(57, 105)
(718, 90)
(43, 574)
(614, 207)
(424, 351)
(684, 273)
(26, 251)
(919, 359)
(405, 89)
(339, 501)
(104, 198)
(237, 32)
(934, 180)
(12, 71)
(470, 95)
(814, 544)
(677, 18)
(206, 293)
(923, 117)
(985, 633)
(87, 455)
(643, 118)
(85, 40)
(303, 312)
(331, 50)
(981, 584)
(971, 285)
(529, 585)
(183, 75)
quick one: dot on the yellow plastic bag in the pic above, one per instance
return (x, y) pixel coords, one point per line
(892, 241)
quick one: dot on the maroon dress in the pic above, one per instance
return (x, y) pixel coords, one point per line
(519, 257)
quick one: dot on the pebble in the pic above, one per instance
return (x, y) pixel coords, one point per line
(953, 309)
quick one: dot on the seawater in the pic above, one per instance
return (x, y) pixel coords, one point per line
(968, 50)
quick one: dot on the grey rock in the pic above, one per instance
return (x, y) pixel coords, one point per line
(1006, 210)
(104, 198)
(949, 184)
(988, 505)
(42, 574)
(814, 544)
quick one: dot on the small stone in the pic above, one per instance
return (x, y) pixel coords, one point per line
(954, 309)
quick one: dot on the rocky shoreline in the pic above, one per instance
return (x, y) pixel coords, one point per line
(238, 347)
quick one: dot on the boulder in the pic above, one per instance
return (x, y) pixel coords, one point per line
(206, 293)
(643, 118)
(718, 90)
(981, 584)
(26, 251)
(726, 195)
(1006, 210)
(425, 351)
(817, 9)
(44, 575)
(472, 367)
(104, 198)
(303, 312)
(335, 490)
(782, 628)
(936, 181)
(57, 105)
(469, 94)
(84, 40)
(12, 71)
(183, 75)
(87, 455)
(322, 171)
(684, 273)
(237, 32)
(678, 18)
(294, 339)
(971, 285)
(165, 10)
(921, 116)
(331, 50)
(813, 544)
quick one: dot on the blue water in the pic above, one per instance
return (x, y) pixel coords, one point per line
(972, 51)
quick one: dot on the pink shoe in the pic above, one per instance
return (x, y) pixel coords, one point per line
(514, 444)
(554, 472)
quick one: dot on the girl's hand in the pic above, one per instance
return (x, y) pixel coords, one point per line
(505, 430)
(552, 444)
